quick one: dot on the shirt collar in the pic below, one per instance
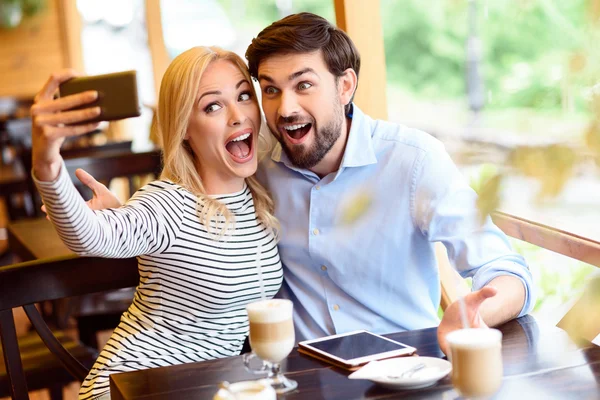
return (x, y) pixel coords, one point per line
(359, 147)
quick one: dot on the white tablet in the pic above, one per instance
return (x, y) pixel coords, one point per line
(356, 348)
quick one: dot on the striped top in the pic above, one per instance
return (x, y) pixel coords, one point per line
(190, 303)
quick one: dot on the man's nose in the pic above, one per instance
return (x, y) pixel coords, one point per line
(288, 105)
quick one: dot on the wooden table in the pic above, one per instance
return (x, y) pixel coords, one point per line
(35, 239)
(539, 362)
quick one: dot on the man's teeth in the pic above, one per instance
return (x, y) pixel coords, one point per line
(294, 127)
(242, 137)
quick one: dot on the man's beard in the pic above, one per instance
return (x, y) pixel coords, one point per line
(324, 139)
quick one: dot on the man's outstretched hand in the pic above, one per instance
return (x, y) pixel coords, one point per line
(102, 198)
(452, 318)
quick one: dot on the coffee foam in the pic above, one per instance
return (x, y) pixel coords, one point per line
(269, 311)
(474, 338)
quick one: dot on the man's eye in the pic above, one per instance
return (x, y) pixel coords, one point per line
(212, 108)
(270, 90)
(244, 96)
(304, 85)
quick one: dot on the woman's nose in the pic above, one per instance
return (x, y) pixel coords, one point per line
(236, 116)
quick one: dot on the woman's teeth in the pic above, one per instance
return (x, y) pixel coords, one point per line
(242, 137)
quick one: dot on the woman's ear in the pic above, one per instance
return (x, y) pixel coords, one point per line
(347, 85)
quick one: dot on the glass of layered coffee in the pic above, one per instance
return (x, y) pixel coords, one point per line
(272, 339)
(476, 356)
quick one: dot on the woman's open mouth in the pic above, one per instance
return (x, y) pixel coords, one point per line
(296, 133)
(240, 146)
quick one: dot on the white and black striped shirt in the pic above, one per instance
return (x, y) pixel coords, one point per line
(190, 303)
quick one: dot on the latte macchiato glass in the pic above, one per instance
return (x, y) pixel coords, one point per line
(476, 356)
(272, 339)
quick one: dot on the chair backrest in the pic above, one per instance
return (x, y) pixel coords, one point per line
(19, 138)
(113, 164)
(104, 162)
(108, 165)
(24, 284)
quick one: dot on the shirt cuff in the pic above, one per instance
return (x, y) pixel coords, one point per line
(509, 269)
(45, 186)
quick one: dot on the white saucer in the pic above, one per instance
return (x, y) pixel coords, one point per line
(387, 372)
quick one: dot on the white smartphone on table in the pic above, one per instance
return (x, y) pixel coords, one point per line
(353, 349)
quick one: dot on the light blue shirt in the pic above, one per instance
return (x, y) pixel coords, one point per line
(358, 245)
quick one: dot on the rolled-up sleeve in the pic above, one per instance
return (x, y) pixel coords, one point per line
(445, 210)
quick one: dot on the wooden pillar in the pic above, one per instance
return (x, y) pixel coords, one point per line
(156, 43)
(361, 20)
(40, 45)
(70, 25)
(595, 11)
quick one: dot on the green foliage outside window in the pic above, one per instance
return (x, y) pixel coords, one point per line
(529, 48)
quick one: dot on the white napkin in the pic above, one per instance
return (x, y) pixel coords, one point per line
(377, 371)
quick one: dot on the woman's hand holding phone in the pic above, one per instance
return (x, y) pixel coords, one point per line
(52, 122)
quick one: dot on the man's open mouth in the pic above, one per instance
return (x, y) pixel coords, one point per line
(240, 146)
(296, 132)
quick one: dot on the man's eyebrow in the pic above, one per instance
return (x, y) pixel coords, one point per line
(301, 72)
(263, 77)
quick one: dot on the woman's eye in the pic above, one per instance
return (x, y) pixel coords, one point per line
(212, 108)
(304, 85)
(245, 96)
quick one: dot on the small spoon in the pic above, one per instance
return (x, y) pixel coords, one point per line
(409, 372)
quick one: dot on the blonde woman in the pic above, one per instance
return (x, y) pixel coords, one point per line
(196, 232)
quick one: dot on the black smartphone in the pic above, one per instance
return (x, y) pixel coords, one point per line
(117, 94)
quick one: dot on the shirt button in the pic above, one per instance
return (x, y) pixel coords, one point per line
(315, 231)
(323, 268)
(336, 307)
(317, 187)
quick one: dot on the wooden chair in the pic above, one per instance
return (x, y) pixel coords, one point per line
(19, 138)
(109, 150)
(107, 165)
(18, 198)
(29, 365)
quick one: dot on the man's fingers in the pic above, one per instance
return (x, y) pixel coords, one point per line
(88, 180)
(64, 103)
(67, 117)
(476, 298)
(54, 81)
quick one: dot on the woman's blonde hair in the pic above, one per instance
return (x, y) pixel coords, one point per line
(178, 91)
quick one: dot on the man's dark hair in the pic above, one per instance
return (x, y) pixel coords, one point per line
(305, 33)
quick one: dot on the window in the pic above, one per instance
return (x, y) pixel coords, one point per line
(487, 77)
(113, 38)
